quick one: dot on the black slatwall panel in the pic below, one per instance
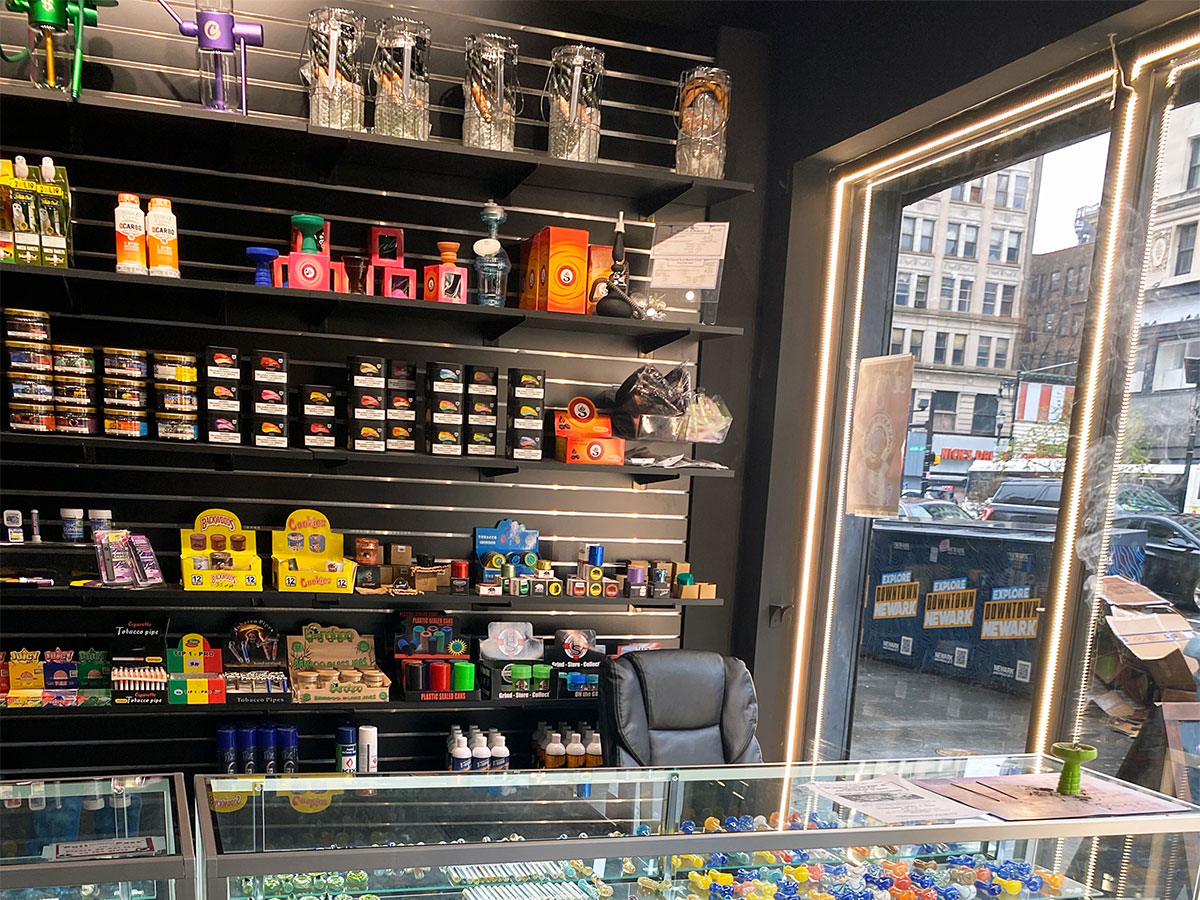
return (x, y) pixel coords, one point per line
(234, 183)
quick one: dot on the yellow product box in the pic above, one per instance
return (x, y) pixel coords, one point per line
(307, 556)
(331, 664)
(194, 674)
(7, 250)
(217, 554)
(26, 678)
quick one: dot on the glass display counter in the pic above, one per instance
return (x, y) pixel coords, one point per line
(126, 837)
(761, 832)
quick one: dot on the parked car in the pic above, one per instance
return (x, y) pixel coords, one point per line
(1037, 499)
(939, 510)
(1172, 554)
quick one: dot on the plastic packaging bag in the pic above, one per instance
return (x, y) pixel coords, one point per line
(707, 420)
(651, 405)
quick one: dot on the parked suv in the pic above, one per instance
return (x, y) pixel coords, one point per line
(1036, 500)
(1172, 554)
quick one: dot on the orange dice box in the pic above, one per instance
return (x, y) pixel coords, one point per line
(562, 269)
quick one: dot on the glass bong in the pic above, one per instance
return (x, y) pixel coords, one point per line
(492, 264)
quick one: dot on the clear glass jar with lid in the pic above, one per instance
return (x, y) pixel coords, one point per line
(400, 72)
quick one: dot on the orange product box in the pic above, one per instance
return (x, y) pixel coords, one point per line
(566, 425)
(600, 262)
(529, 273)
(590, 451)
(562, 270)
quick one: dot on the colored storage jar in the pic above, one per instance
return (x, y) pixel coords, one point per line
(177, 367)
(122, 363)
(72, 391)
(176, 398)
(28, 356)
(70, 359)
(124, 392)
(26, 325)
(30, 417)
(75, 419)
(30, 387)
(176, 426)
(127, 423)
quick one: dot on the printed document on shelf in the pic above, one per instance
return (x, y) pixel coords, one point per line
(892, 799)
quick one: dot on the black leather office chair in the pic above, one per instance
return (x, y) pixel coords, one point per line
(677, 708)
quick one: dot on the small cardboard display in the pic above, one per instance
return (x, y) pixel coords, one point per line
(217, 554)
(320, 659)
(510, 540)
(255, 664)
(307, 556)
(430, 636)
(194, 673)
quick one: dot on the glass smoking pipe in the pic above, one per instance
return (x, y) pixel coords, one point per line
(218, 36)
(49, 40)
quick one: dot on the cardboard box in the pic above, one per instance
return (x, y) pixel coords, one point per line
(529, 273)
(255, 664)
(430, 636)
(1156, 641)
(331, 648)
(562, 270)
(194, 675)
(400, 554)
(590, 451)
(308, 556)
(566, 425)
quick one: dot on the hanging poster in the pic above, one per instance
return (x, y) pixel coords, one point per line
(881, 408)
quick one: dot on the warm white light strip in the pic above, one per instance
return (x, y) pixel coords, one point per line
(1163, 52)
(1181, 68)
(806, 575)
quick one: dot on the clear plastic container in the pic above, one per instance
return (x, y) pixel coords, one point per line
(703, 116)
(491, 94)
(330, 66)
(401, 74)
(573, 87)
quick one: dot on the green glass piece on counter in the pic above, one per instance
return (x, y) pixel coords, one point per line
(1073, 756)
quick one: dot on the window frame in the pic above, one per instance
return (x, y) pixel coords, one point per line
(983, 351)
(1181, 248)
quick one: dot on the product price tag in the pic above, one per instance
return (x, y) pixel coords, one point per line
(697, 240)
(111, 847)
(529, 393)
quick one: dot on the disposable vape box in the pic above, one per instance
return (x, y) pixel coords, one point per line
(481, 410)
(222, 363)
(401, 405)
(401, 375)
(366, 403)
(223, 428)
(317, 401)
(524, 444)
(367, 436)
(317, 432)
(222, 396)
(270, 431)
(525, 415)
(367, 371)
(444, 440)
(481, 440)
(443, 378)
(527, 384)
(445, 409)
(401, 436)
(269, 399)
(482, 380)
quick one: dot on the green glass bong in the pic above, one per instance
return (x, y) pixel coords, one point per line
(55, 40)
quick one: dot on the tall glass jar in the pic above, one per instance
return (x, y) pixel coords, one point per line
(330, 66)
(703, 116)
(491, 93)
(573, 87)
(401, 73)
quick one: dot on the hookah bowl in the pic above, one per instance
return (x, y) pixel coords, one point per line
(308, 226)
(262, 257)
(1073, 756)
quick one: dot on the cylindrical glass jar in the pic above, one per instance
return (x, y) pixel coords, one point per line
(573, 87)
(176, 398)
(31, 417)
(28, 356)
(30, 387)
(124, 392)
(401, 73)
(75, 419)
(330, 66)
(70, 359)
(491, 93)
(122, 363)
(176, 426)
(703, 116)
(72, 391)
(127, 423)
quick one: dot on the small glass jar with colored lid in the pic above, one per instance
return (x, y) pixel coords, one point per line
(30, 387)
(26, 325)
(124, 392)
(75, 419)
(123, 363)
(176, 367)
(28, 356)
(177, 426)
(31, 417)
(71, 390)
(176, 398)
(71, 359)
(126, 423)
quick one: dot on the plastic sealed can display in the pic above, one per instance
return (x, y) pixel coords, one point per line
(178, 367)
(26, 325)
(176, 398)
(124, 392)
(70, 359)
(75, 419)
(127, 423)
(28, 356)
(122, 363)
(177, 426)
(30, 387)
(30, 417)
(70, 390)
